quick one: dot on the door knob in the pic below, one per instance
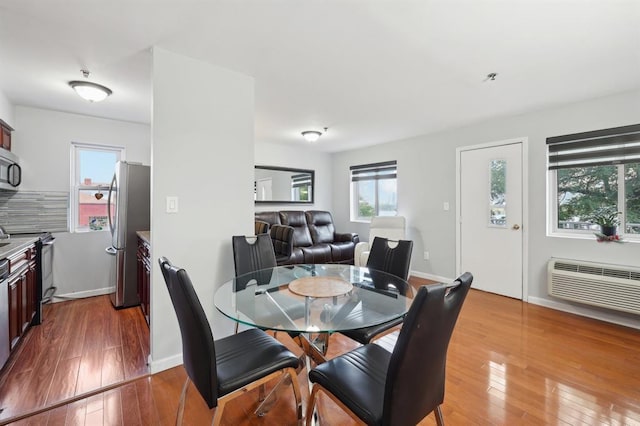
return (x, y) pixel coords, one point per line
(515, 227)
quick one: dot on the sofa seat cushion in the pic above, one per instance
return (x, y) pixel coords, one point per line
(296, 256)
(342, 252)
(319, 253)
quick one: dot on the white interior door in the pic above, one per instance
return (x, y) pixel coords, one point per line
(265, 189)
(491, 217)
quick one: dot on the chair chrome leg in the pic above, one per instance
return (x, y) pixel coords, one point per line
(217, 416)
(311, 405)
(183, 397)
(438, 413)
(262, 409)
(296, 393)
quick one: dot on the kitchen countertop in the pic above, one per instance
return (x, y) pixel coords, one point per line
(145, 235)
(15, 245)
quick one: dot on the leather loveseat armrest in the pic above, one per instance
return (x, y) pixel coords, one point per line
(346, 237)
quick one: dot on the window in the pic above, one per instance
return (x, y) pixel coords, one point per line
(592, 171)
(92, 168)
(374, 190)
(301, 187)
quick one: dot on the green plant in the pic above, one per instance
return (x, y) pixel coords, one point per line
(605, 216)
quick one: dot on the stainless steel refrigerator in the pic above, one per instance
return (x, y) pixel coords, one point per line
(129, 211)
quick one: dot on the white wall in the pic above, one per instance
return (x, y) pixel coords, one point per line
(6, 110)
(426, 178)
(202, 152)
(299, 157)
(42, 139)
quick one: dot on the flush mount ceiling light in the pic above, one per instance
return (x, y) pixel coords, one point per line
(311, 135)
(92, 92)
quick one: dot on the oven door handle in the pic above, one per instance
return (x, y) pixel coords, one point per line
(11, 176)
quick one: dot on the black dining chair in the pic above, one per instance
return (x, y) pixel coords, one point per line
(282, 239)
(393, 257)
(402, 387)
(252, 253)
(223, 369)
(261, 227)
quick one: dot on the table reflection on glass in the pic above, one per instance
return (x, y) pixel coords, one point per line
(312, 301)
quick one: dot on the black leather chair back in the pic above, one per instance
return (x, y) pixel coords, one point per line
(198, 350)
(282, 239)
(249, 256)
(261, 227)
(415, 379)
(394, 260)
(320, 226)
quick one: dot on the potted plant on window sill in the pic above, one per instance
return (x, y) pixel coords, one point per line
(608, 219)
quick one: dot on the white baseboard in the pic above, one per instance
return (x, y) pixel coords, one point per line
(585, 312)
(164, 364)
(82, 294)
(431, 277)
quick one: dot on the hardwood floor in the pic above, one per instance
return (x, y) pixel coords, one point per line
(509, 363)
(82, 345)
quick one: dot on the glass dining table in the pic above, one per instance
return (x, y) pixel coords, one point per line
(311, 301)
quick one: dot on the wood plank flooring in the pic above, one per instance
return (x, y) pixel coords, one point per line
(509, 363)
(81, 346)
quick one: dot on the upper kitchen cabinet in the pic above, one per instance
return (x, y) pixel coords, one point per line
(5, 135)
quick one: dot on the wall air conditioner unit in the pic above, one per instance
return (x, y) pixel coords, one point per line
(609, 286)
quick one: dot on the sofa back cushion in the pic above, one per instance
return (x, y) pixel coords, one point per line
(296, 219)
(320, 226)
(272, 218)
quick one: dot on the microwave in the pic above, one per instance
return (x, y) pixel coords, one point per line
(10, 171)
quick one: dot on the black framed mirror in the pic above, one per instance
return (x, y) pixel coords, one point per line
(273, 185)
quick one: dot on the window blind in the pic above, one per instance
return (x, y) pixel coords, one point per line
(301, 180)
(375, 171)
(617, 145)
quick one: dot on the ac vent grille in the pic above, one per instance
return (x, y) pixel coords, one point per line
(609, 286)
(596, 270)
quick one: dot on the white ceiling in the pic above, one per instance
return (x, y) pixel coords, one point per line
(370, 70)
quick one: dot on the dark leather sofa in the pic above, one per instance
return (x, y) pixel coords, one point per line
(314, 238)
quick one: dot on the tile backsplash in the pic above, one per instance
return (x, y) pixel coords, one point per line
(32, 211)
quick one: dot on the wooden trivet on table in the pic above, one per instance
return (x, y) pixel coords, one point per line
(320, 286)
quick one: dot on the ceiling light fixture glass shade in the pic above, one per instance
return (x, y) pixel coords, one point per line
(311, 135)
(90, 91)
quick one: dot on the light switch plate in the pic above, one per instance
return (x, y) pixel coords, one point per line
(445, 206)
(172, 204)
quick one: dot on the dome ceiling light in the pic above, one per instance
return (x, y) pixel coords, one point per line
(313, 135)
(92, 92)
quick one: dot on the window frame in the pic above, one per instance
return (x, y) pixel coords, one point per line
(76, 186)
(354, 188)
(623, 134)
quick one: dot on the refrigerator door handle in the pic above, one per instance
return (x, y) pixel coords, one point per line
(111, 250)
(109, 204)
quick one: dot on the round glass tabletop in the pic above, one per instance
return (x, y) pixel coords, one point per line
(314, 298)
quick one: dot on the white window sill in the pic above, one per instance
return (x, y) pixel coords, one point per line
(87, 230)
(592, 237)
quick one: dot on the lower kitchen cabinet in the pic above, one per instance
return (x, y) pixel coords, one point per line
(144, 277)
(22, 293)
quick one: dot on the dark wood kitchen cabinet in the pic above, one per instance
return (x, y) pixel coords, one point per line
(22, 293)
(144, 276)
(5, 135)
